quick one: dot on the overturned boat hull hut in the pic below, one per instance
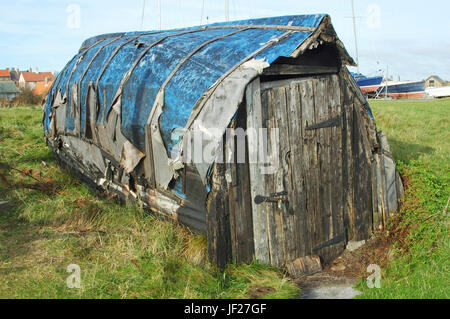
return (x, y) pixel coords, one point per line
(146, 115)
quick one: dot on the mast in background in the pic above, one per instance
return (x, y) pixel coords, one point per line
(227, 13)
(159, 14)
(143, 12)
(354, 31)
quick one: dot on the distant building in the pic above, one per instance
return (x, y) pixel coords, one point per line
(8, 90)
(30, 79)
(435, 81)
(5, 75)
(41, 88)
(15, 75)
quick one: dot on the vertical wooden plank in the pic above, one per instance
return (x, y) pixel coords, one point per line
(362, 178)
(336, 185)
(347, 159)
(257, 181)
(241, 223)
(233, 208)
(308, 163)
(217, 218)
(244, 221)
(274, 181)
(323, 153)
(285, 217)
(377, 220)
(299, 244)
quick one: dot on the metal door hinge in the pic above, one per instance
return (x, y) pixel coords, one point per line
(335, 121)
(274, 198)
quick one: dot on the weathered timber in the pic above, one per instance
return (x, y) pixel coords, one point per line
(286, 69)
(218, 218)
(241, 221)
(304, 266)
(315, 172)
(257, 182)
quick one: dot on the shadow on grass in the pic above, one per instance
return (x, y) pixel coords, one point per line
(407, 152)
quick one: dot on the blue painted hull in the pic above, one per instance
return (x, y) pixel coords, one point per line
(406, 89)
(368, 84)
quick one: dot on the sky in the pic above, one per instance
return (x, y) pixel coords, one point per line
(409, 40)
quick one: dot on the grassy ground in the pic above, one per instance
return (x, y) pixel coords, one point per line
(54, 221)
(419, 136)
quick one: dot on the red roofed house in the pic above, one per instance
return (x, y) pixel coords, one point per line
(5, 75)
(30, 79)
(41, 88)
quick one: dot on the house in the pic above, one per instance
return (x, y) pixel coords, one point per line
(41, 88)
(435, 81)
(8, 90)
(144, 116)
(30, 79)
(5, 75)
(15, 75)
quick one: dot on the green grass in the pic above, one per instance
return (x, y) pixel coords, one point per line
(126, 253)
(419, 136)
(123, 252)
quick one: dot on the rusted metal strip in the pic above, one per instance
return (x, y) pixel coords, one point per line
(210, 92)
(335, 121)
(273, 198)
(333, 241)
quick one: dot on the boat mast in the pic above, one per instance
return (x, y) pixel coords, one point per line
(159, 14)
(142, 19)
(354, 32)
(227, 15)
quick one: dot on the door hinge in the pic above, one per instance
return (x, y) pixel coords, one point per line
(335, 121)
(333, 241)
(274, 198)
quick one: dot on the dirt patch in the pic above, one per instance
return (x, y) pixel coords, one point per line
(338, 278)
(326, 285)
(258, 292)
(353, 264)
(44, 185)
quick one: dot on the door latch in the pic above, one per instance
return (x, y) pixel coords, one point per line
(273, 198)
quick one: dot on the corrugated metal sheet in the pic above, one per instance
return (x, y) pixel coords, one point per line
(105, 60)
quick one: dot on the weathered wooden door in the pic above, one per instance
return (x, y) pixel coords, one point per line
(297, 197)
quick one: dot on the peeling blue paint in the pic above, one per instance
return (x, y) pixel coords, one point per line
(188, 84)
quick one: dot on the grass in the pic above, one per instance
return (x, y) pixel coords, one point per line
(419, 136)
(123, 252)
(126, 253)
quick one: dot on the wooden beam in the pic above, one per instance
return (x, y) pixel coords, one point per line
(289, 69)
(218, 218)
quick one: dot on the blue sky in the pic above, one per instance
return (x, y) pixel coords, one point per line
(410, 38)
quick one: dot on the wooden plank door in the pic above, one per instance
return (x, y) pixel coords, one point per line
(298, 207)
